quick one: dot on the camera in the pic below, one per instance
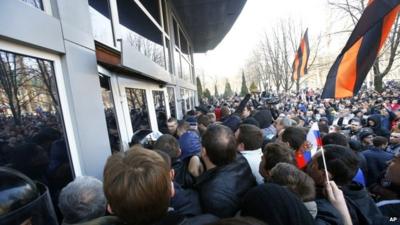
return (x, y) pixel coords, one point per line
(269, 99)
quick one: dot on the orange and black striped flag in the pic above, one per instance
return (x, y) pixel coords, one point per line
(301, 58)
(347, 74)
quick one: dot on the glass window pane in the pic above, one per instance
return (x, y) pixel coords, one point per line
(165, 17)
(186, 68)
(183, 108)
(187, 99)
(109, 110)
(190, 55)
(184, 45)
(161, 111)
(176, 33)
(140, 32)
(167, 54)
(101, 21)
(139, 112)
(171, 101)
(35, 3)
(153, 8)
(32, 136)
(178, 68)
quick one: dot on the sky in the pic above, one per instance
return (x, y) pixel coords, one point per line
(257, 17)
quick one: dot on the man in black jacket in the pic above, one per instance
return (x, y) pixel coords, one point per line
(228, 175)
(355, 127)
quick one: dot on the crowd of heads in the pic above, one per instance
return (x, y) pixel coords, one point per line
(249, 161)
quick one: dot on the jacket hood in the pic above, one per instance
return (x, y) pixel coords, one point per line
(377, 120)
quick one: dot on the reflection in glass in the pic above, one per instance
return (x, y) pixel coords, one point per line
(187, 99)
(109, 109)
(167, 54)
(182, 100)
(184, 44)
(171, 101)
(138, 110)
(101, 21)
(35, 3)
(150, 49)
(161, 111)
(186, 68)
(32, 137)
(178, 68)
(140, 32)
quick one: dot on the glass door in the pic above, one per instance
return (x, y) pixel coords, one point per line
(143, 106)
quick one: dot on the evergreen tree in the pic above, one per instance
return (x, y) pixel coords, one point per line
(199, 89)
(253, 87)
(243, 91)
(228, 90)
(207, 94)
(216, 94)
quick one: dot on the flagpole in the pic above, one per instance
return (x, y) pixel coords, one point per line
(324, 161)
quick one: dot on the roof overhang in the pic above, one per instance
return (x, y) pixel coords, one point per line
(208, 21)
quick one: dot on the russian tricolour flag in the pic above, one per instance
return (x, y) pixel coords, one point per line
(314, 138)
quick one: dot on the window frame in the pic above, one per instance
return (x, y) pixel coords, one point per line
(189, 57)
(104, 72)
(46, 6)
(62, 94)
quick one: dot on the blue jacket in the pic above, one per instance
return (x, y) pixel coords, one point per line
(387, 120)
(376, 163)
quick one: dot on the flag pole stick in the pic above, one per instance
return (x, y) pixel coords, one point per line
(325, 167)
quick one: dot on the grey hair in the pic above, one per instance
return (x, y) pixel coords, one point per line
(82, 200)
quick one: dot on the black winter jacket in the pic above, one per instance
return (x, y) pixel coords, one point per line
(358, 196)
(222, 188)
(182, 174)
(327, 214)
(185, 201)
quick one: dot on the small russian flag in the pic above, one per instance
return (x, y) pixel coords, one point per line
(314, 138)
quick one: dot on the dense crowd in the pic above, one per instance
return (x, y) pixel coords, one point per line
(246, 161)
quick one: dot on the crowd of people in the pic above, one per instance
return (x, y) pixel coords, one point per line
(246, 161)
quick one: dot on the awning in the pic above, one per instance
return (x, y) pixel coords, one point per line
(208, 21)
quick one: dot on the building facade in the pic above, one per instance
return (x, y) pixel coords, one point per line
(79, 77)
